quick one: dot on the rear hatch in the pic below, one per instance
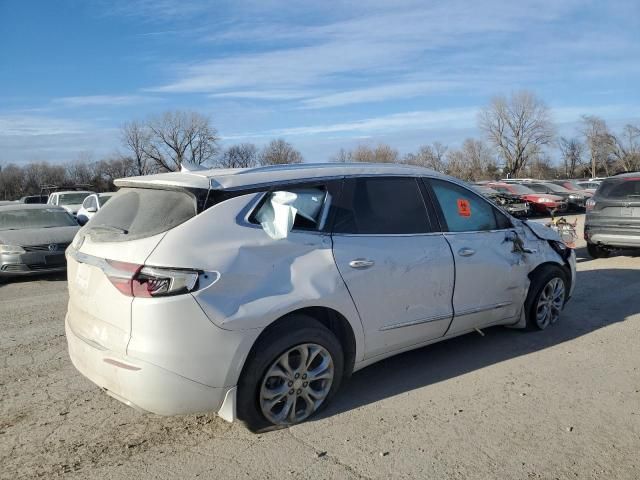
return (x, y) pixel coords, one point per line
(119, 237)
(616, 206)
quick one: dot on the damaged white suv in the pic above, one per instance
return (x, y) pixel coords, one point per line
(256, 292)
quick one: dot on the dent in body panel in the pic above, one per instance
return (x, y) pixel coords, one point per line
(261, 279)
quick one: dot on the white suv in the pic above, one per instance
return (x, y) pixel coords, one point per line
(256, 292)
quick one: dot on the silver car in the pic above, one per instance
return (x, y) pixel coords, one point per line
(256, 293)
(613, 215)
(33, 238)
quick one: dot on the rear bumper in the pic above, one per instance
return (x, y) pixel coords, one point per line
(140, 384)
(614, 240)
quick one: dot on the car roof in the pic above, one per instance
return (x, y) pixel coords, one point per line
(220, 179)
(30, 206)
(62, 192)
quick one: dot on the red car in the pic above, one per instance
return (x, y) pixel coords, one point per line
(540, 202)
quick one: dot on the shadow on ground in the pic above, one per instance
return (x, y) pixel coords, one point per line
(448, 359)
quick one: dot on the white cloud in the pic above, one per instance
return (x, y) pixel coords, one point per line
(418, 120)
(103, 100)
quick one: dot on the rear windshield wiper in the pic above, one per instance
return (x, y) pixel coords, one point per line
(110, 228)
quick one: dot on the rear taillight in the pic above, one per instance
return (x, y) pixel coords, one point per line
(136, 280)
(590, 204)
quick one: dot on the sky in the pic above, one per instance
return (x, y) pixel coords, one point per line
(324, 75)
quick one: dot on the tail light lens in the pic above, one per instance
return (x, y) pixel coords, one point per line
(136, 280)
(590, 204)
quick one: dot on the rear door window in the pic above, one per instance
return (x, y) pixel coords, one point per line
(139, 213)
(381, 206)
(464, 211)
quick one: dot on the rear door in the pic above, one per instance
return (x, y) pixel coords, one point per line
(399, 272)
(491, 280)
(121, 236)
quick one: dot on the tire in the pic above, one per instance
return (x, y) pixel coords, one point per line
(596, 251)
(287, 342)
(544, 289)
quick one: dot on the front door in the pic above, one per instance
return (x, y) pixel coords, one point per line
(491, 278)
(399, 272)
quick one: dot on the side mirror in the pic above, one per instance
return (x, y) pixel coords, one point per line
(92, 209)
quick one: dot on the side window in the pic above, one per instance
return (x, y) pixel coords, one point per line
(464, 211)
(86, 203)
(381, 205)
(293, 209)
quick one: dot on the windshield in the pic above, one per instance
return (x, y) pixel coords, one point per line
(569, 185)
(517, 189)
(102, 199)
(555, 188)
(72, 198)
(36, 218)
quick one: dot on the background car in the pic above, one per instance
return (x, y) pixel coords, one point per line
(575, 199)
(573, 186)
(34, 199)
(70, 200)
(588, 185)
(257, 303)
(613, 215)
(513, 204)
(33, 238)
(540, 203)
(91, 205)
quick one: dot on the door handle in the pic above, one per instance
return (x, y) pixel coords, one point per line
(361, 263)
(466, 252)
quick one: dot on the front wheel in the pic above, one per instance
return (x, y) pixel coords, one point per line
(292, 373)
(546, 298)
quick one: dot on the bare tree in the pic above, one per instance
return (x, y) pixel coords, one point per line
(279, 152)
(600, 143)
(342, 156)
(179, 136)
(382, 153)
(136, 138)
(518, 127)
(571, 150)
(243, 155)
(11, 182)
(429, 156)
(627, 148)
(473, 161)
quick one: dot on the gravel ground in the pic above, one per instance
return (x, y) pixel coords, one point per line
(564, 403)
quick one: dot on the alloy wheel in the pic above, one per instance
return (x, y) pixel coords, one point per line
(550, 303)
(296, 384)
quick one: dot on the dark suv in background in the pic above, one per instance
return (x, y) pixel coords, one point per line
(613, 215)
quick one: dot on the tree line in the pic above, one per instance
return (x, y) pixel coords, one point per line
(519, 140)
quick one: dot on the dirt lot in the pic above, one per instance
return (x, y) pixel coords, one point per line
(564, 403)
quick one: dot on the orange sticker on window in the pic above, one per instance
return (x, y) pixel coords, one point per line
(464, 207)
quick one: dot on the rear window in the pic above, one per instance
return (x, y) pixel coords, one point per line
(72, 198)
(620, 188)
(35, 218)
(139, 213)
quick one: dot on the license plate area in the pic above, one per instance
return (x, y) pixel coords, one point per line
(630, 212)
(56, 260)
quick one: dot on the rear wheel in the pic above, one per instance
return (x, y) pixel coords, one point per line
(596, 251)
(292, 373)
(547, 295)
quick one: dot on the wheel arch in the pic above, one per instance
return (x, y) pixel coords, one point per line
(565, 268)
(333, 320)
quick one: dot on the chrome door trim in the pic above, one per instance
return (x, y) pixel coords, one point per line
(411, 323)
(470, 311)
